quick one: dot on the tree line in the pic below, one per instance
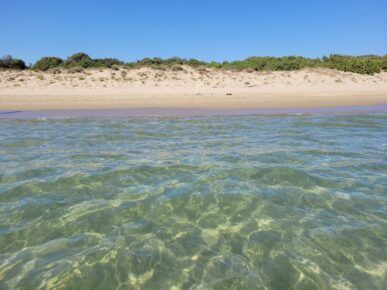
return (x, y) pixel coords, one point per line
(366, 64)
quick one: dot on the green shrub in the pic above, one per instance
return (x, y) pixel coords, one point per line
(150, 61)
(159, 67)
(47, 62)
(75, 69)
(106, 62)
(290, 63)
(287, 63)
(368, 64)
(201, 69)
(54, 70)
(177, 68)
(79, 60)
(359, 64)
(7, 62)
(214, 64)
(174, 61)
(384, 62)
(195, 63)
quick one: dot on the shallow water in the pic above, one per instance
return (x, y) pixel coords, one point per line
(247, 202)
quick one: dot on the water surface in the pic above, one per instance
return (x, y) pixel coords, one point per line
(247, 202)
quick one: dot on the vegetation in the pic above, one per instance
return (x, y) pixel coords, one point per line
(7, 62)
(356, 64)
(273, 63)
(75, 69)
(124, 74)
(177, 68)
(368, 64)
(79, 60)
(46, 63)
(384, 62)
(363, 64)
(115, 67)
(106, 62)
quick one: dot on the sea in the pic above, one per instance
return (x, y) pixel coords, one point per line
(257, 201)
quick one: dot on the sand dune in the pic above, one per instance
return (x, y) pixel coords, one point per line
(189, 88)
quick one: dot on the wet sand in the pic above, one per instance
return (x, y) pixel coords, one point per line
(172, 112)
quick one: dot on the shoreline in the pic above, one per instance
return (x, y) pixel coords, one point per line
(187, 112)
(260, 100)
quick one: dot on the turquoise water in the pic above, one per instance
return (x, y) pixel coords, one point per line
(248, 202)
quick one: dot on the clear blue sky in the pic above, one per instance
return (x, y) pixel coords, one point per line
(204, 29)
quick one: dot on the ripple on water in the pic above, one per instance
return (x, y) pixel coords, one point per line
(281, 202)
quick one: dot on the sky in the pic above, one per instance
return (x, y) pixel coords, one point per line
(204, 29)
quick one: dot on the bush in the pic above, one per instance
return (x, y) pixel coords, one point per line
(159, 67)
(201, 69)
(7, 62)
(384, 62)
(124, 73)
(195, 63)
(287, 63)
(75, 69)
(174, 61)
(214, 64)
(149, 62)
(177, 68)
(290, 63)
(367, 64)
(359, 64)
(129, 65)
(54, 70)
(79, 60)
(47, 62)
(106, 62)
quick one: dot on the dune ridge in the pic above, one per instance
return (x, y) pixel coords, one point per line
(188, 88)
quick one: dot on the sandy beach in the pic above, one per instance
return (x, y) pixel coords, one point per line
(188, 88)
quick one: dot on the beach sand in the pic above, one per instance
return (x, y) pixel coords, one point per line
(190, 88)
